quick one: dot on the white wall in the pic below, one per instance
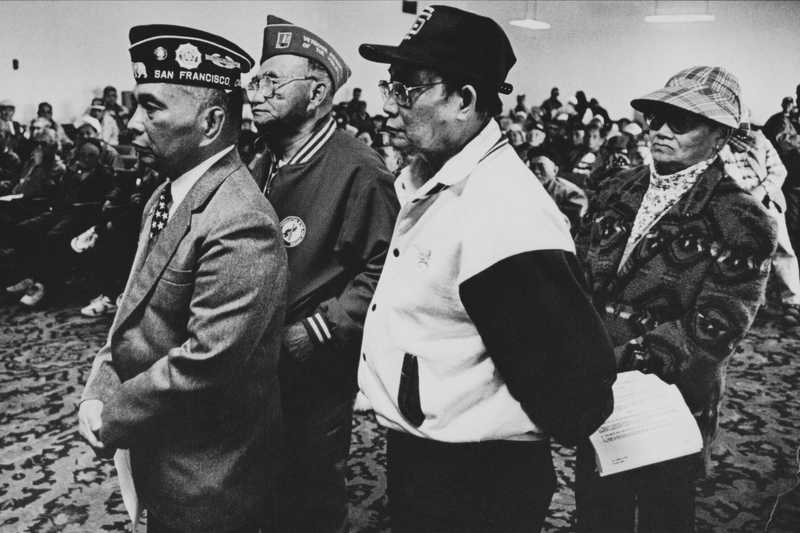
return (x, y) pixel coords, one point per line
(69, 50)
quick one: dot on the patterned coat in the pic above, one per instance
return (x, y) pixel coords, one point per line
(690, 289)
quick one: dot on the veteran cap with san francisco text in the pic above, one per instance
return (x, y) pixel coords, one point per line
(162, 53)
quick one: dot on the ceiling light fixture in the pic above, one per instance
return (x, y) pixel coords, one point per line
(531, 22)
(678, 17)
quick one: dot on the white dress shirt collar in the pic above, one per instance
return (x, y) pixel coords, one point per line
(181, 186)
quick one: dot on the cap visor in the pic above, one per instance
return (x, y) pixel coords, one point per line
(380, 53)
(695, 100)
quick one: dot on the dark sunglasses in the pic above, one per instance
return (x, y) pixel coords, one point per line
(679, 122)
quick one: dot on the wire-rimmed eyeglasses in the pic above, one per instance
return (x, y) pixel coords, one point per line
(401, 93)
(268, 85)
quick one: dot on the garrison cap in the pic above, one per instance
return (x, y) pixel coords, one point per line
(162, 53)
(283, 37)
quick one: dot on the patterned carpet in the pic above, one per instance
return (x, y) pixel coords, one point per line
(50, 480)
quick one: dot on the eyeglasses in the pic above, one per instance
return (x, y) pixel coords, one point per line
(402, 94)
(269, 85)
(678, 122)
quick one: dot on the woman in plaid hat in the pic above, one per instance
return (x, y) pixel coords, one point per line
(677, 256)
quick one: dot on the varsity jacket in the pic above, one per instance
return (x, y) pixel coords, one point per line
(481, 327)
(337, 207)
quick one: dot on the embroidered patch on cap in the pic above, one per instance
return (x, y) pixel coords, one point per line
(284, 39)
(188, 56)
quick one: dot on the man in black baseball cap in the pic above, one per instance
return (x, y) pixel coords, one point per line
(188, 378)
(462, 45)
(481, 341)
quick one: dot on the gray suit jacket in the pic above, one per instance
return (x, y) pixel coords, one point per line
(188, 376)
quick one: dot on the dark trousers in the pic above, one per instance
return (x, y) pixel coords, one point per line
(497, 486)
(154, 525)
(655, 499)
(113, 257)
(43, 243)
(312, 492)
(792, 194)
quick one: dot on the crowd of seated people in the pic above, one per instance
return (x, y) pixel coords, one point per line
(78, 192)
(70, 200)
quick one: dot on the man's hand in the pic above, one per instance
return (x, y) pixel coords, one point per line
(297, 343)
(89, 421)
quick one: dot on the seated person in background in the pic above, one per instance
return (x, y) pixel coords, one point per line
(519, 117)
(535, 135)
(88, 127)
(10, 164)
(111, 243)
(365, 137)
(113, 109)
(45, 113)
(38, 184)
(677, 256)
(582, 159)
(7, 110)
(577, 133)
(516, 138)
(504, 121)
(754, 164)
(378, 123)
(43, 170)
(97, 109)
(557, 140)
(569, 198)
(42, 242)
(615, 155)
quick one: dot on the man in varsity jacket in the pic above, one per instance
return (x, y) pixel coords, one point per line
(481, 340)
(337, 208)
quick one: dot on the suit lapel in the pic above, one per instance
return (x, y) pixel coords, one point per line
(148, 267)
(141, 253)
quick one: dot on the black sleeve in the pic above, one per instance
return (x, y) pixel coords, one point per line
(546, 340)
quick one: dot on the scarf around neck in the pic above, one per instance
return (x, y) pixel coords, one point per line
(663, 192)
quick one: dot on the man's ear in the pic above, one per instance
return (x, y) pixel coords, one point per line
(319, 91)
(469, 98)
(213, 120)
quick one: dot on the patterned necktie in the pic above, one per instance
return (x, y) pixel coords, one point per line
(161, 214)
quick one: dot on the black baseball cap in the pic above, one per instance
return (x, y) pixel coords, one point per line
(452, 41)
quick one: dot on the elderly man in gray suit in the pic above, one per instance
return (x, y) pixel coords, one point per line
(188, 380)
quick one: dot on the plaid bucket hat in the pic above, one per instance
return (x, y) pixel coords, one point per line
(710, 92)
